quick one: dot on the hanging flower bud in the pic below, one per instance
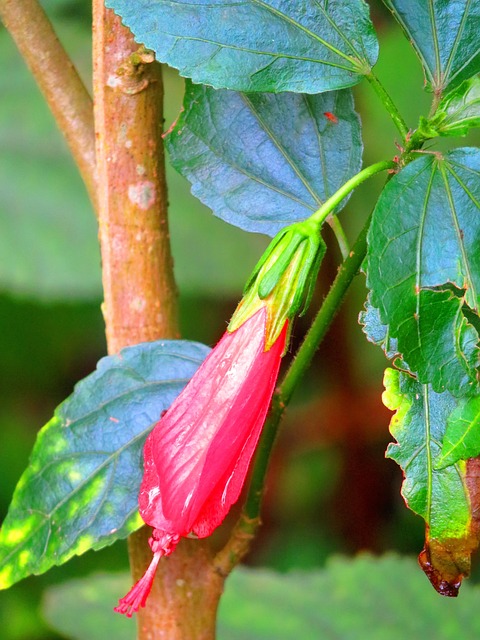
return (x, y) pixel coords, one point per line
(197, 457)
(284, 278)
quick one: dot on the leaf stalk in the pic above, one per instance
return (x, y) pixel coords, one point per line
(388, 104)
(340, 235)
(329, 205)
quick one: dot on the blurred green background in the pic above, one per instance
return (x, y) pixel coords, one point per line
(330, 489)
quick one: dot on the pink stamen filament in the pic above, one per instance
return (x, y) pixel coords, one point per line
(138, 594)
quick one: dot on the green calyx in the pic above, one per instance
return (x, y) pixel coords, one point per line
(284, 278)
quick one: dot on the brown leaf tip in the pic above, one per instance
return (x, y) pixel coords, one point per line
(448, 588)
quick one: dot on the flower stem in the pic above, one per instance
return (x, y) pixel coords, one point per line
(262, 457)
(245, 529)
(388, 104)
(340, 235)
(64, 91)
(303, 358)
(324, 318)
(329, 205)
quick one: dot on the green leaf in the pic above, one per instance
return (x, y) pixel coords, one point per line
(258, 45)
(362, 598)
(445, 37)
(263, 161)
(459, 111)
(424, 265)
(462, 437)
(192, 225)
(447, 498)
(81, 487)
(48, 233)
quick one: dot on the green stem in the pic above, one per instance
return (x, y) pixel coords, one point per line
(302, 360)
(237, 546)
(340, 235)
(245, 529)
(388, 104)
(253, 502)
(329, 205)
(324, 318)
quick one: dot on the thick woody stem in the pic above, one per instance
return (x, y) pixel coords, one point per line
(183, 602)
(139, 290)
(58, 80)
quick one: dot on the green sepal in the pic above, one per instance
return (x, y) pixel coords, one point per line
(271, 278)
(284, 279)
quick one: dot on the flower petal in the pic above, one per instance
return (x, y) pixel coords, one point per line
(246, 418)
(182, 438)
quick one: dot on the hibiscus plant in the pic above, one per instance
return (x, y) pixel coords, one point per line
(160, 441)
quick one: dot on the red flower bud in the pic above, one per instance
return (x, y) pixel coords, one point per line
(197, 456)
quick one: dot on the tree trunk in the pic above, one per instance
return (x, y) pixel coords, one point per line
(139, 289)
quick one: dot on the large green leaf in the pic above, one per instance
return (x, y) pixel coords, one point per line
(362, 598)
(220, 268)
(379, 334)
(80, 489)
(445, 36)
(365, 598)
(48, 233)
(424, 265)
(82, 609)
(307, 46)
(446, 498)
(262, 161)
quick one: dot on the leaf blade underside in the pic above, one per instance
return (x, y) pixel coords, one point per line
(257, 45)
(80, 490)
(263, 161)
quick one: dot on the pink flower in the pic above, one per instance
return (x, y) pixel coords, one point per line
(197, 456)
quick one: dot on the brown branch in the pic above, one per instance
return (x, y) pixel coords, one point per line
(58, 80)
(139, 290)
(183, 602)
